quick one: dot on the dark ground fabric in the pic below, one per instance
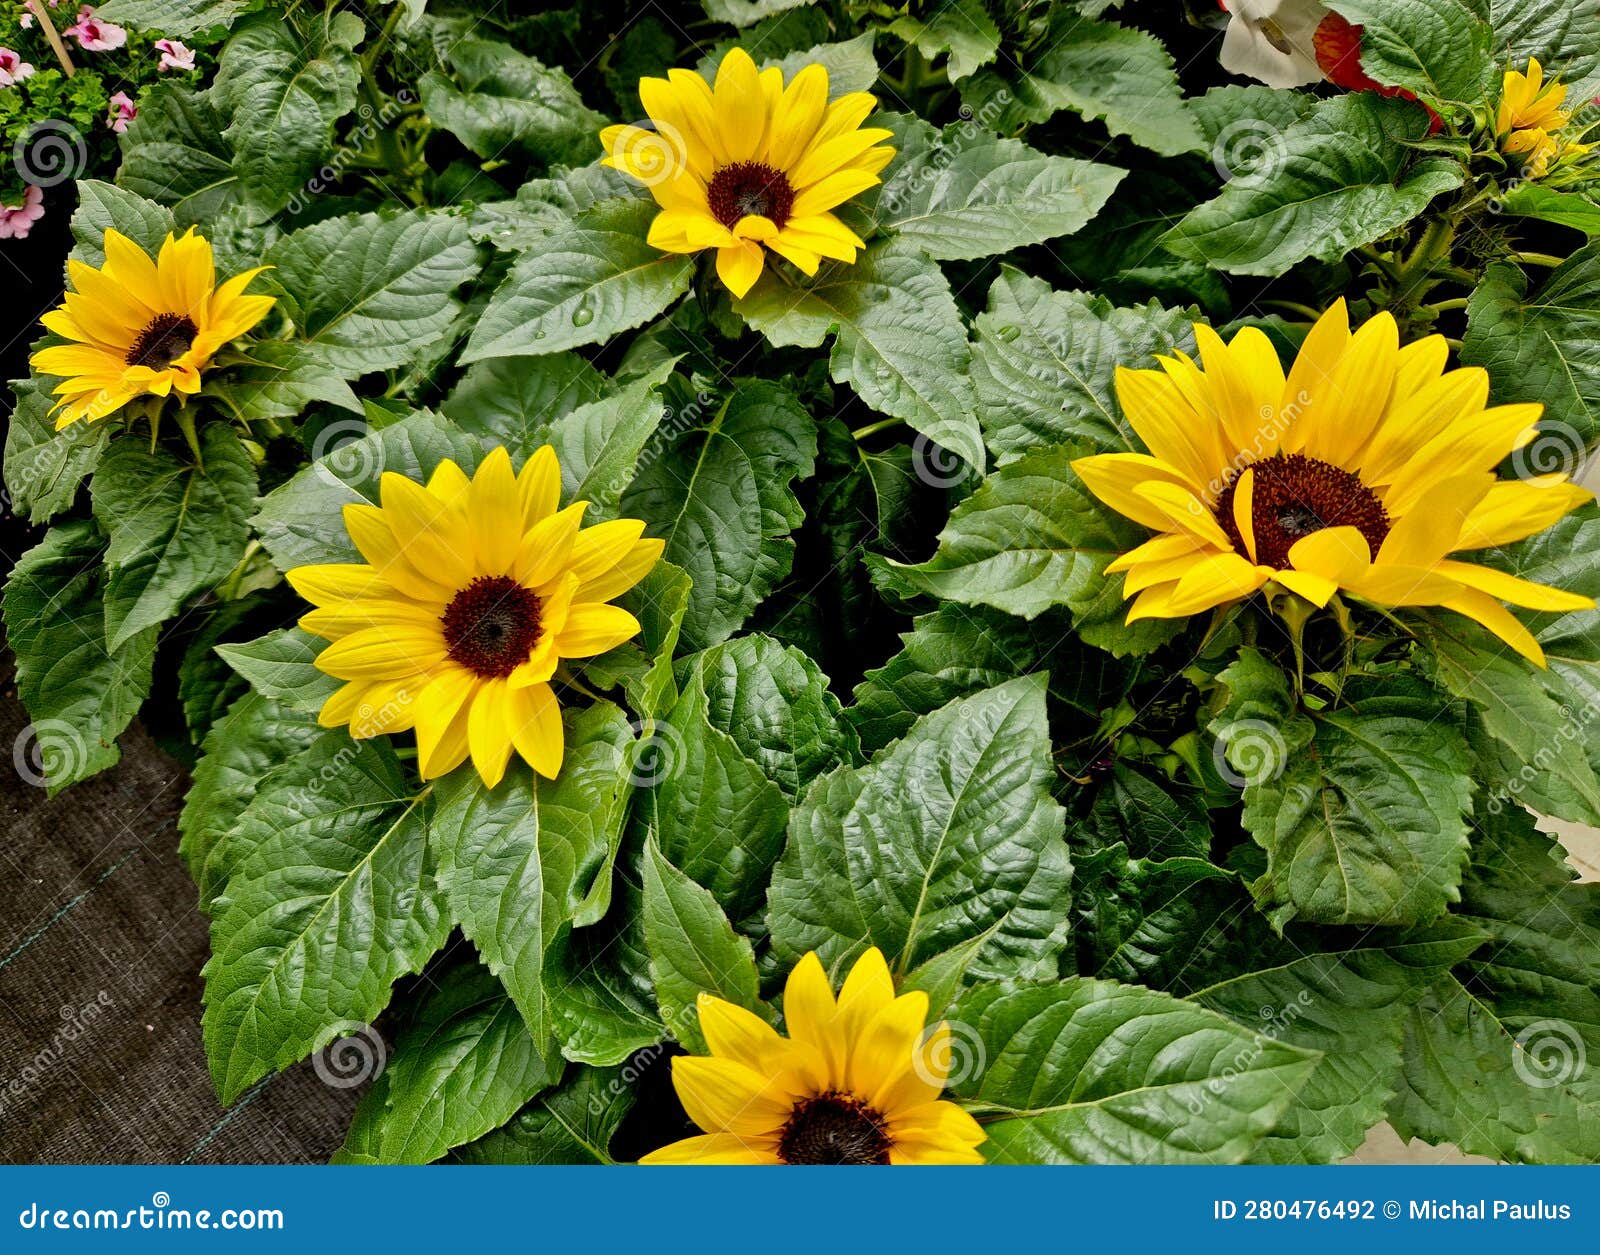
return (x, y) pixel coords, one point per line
(101, 946)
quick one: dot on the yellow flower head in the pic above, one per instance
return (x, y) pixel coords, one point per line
(1529, 118)
(1528, 102)
(472, 592)
(141, 326)
(857, 1081)
(1362, 471)
(749, 163)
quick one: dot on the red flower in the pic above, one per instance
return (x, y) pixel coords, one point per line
(1338, 47)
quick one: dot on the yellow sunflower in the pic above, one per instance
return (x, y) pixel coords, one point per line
(141, 326)
(472, 592)
(1529, 117)
(857, 1081)
(751, 163)
(1363, 470)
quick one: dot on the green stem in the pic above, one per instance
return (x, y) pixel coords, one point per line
(231, 591)
(872, 429)
(1539, 259)
(371, 57)
(388, 141)
(1440, 307)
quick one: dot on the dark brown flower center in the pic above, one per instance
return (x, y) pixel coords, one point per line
(1293, 496)
(834, 1129)
(748, 187)
(492, 625)
(164, 341)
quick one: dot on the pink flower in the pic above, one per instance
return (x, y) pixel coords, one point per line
(25, 21)
(94, 35)
(13, 69)
(17, 220)
(174, 56)
(122, 112)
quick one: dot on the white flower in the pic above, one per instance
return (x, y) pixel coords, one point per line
(1273, 41)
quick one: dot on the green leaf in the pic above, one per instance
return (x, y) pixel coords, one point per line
(105, 206)
(300, 522)
(255, 737)
(1361, 808)
(601, 444)
(1349, 1005)
(900, 344)
(545, 205)
(747, 12)
(281, 379)
(947, 835)
(583, 285)
(1439, 49)
(962, 193)
(1565, 209)
(1097, 69)
(332, 903)
(1563, 33)
(514, 401)
(176, 19)
(1148, 920)
(963, 28)
(1526, 710)
(370, 289)
(173, 153)
(79, 693)
(1085, 1071)
(507, 99)
(1500, 1059)
(774, 702)
(693, 949)
(176, 528)
(281, 665)
(284, 94)
(571, 1125)
(464, 1068)
(598, 989)
(1237, 123)
(714, 811)
(1045, 363)
(1029, 538)
(43, 466)
(520, 860)
(719, 494)
(958, 650)
(1543, 345)
(1339, 179)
